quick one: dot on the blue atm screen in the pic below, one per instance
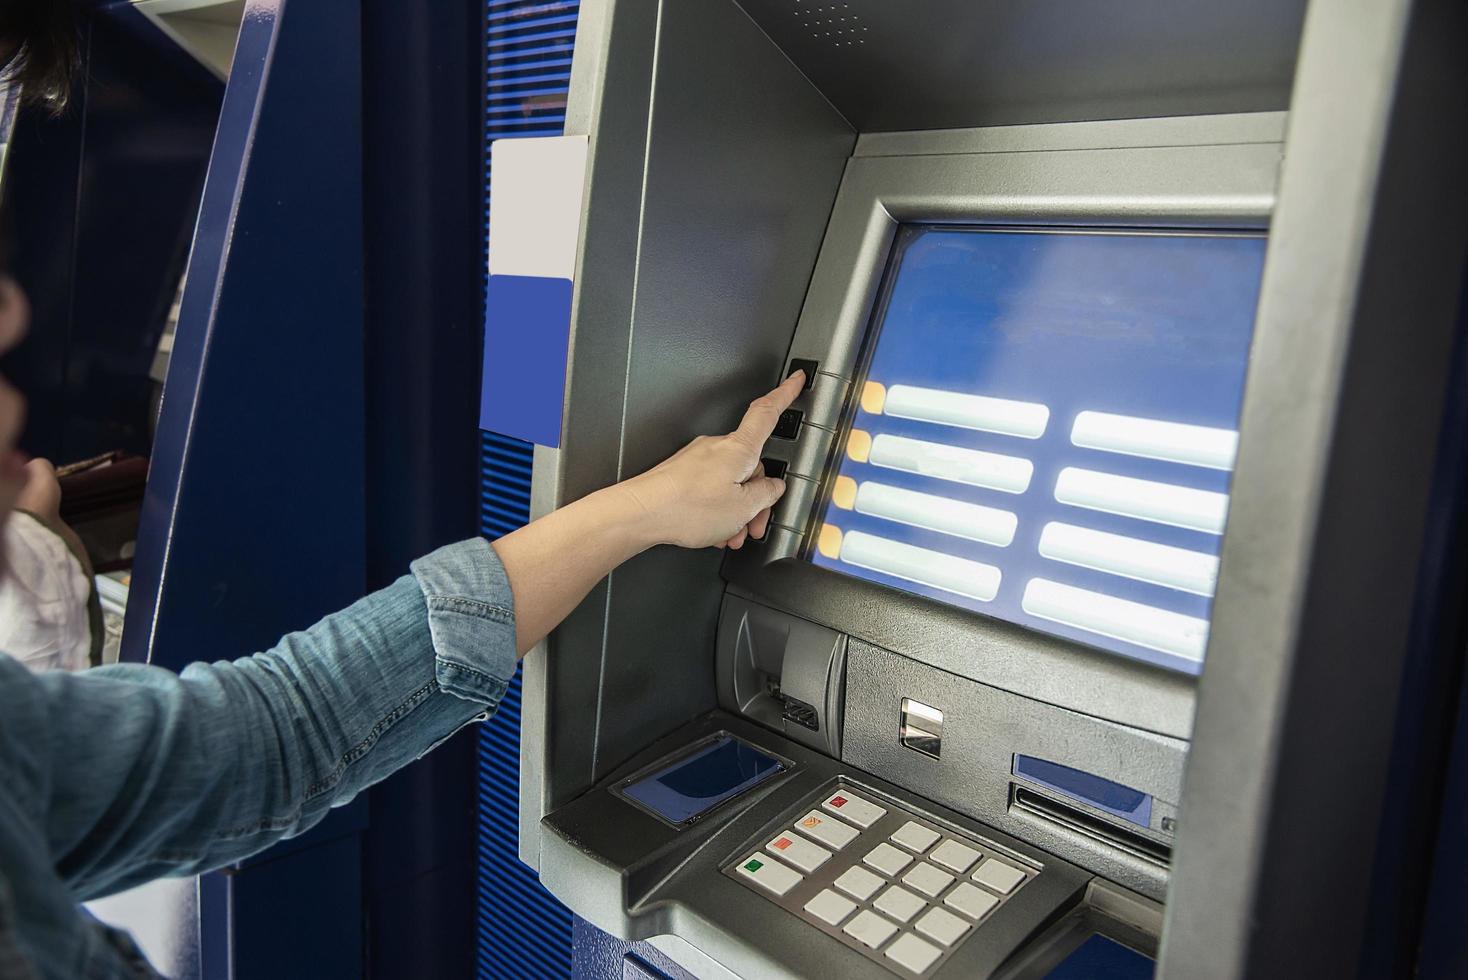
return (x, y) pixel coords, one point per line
(1047, 428)
(701, 781)
(1100, 958)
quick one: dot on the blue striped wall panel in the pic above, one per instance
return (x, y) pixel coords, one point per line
(521, 930)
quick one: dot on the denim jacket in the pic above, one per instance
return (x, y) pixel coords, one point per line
(122, 774)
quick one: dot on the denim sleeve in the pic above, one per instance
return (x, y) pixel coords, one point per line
(135, 773)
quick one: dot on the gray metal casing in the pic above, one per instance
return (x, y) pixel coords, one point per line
(725, 144)
(719, 173)
(1025, 693)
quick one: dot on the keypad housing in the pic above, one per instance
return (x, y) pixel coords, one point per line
(908, 954)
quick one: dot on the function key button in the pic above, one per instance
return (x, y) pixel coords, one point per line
(899, 903)
(972, 902)
(809, 367)
(927, 879)
(952, 854)
(859, 811)
(943, 926)
(998, 876)
(799, 851)
(869, 929)
(769, 874)
(859, 883)
(888, 859)
(915, 837)
(911, 953)
(830, 908)
(787, 426)
(827, 830)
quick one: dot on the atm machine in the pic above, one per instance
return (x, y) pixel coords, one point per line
(1100, 595)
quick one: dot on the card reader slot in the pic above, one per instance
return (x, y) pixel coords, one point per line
(1079, 821)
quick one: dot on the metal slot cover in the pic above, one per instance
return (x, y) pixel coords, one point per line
(922, 727)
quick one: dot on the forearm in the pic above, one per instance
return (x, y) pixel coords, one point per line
(146, 773)
(710, 493)
(553, 562)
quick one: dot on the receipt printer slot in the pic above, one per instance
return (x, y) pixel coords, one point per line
(783, 672)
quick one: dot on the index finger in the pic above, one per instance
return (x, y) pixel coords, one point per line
(759, 421)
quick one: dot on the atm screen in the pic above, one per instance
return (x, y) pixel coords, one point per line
(1101, 958)
(698, 782)
(1046, 429)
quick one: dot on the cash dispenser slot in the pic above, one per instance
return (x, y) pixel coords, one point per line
(1106, 811)
(1077, 820)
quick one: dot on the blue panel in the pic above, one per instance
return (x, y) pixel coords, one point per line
(253, 522)
(422, 66)
(527, 69)
(603, 957)
(635, 967)
(1099, 958)
(300, 917)
(527, 328)
(1123, 801)
(261, 437)
(1419, 891)
(1149, 326)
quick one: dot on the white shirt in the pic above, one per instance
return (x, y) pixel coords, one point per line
(43, 598)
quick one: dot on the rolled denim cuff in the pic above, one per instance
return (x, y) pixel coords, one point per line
(471, 619)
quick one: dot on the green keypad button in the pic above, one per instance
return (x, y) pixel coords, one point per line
(754, 866)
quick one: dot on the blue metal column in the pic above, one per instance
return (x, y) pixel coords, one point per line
(254, 520)
(521, 931)
(423, 237)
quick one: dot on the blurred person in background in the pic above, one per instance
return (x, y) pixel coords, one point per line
(50, 617)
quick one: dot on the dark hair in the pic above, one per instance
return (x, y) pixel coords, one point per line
(43, 36)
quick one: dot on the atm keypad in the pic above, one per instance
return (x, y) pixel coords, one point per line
(901, 889)
(859, 883)
(913, 953)
(830, 908)
(954, 856)
(972, 902)
(943, 926)
(769, 874)
(915, 837)
(928, 879)
(827, 830)
(798, 851)
(870, 929)
(998, 876)
(887, 859)
(854, 809)
(899, 903)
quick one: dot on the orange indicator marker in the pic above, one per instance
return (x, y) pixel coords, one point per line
(843, 494)
(829, 542)
(859, 445)
(873, 397)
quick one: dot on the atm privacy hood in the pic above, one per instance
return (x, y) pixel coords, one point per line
(943, 64)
